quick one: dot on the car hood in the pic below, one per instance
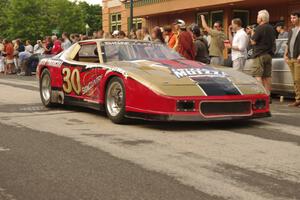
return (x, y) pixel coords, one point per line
(188, 78)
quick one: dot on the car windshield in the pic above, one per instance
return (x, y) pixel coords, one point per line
(280, 48)
(136, 50)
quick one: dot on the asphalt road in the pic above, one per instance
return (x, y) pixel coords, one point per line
(72, 153)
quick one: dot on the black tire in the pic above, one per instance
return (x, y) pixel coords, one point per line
(46, 98)
(115, 117)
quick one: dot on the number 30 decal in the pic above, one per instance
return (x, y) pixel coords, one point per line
(71, 81)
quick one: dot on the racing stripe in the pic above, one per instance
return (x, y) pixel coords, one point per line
(214, 86)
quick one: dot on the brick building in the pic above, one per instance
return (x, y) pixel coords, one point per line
(151, 13)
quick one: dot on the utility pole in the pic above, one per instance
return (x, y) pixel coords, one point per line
(131, 15)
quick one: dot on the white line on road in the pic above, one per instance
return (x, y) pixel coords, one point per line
(4, 149)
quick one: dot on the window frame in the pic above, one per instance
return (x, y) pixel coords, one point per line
(117, 23)
(136, 22)
(211, 17)
(207, 18)
(242, 11)
(77, 56)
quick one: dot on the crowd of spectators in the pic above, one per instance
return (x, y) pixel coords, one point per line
(15, 54)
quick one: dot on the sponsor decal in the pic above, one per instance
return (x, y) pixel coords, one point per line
(91, 81)
(197, 72)
(93, 66)
(212, 82)
(54, 63)
(92, 84)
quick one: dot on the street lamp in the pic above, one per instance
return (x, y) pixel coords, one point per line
(131, 13)
(87, 27)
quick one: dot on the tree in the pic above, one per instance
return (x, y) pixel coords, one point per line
(3, 24)
(34, 19)
(92, 15)
(66, 16)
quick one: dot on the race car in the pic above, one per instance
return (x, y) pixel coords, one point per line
(147, 80)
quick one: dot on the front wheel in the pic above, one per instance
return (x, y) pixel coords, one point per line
(115, 100)
(45, 88)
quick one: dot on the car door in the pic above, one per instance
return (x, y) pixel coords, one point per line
(281, 75)
(82, 73)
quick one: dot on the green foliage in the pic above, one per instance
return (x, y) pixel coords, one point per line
(92, 16)
(34, 19)
(3, 25)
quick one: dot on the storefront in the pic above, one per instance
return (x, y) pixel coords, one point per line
(152, 13)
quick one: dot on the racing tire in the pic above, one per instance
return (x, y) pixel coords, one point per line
(45, 88)
(115, 100)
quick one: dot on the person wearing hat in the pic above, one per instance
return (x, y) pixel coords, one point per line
(116, 33)
(185, 44)
(282, 34)
(201, 46)
(217, 41)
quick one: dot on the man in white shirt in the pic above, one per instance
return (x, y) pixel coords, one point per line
(38, 47)
(239, 44)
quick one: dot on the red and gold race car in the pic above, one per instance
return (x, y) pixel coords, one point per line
(146, 80)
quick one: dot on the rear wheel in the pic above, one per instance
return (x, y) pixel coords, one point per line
(115, 100)
(45, 88)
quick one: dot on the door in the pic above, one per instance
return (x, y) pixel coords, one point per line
(281, 75)
(83, 73)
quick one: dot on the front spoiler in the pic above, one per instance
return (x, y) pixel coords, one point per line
(191, 118)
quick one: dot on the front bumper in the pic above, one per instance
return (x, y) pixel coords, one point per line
(191, 118)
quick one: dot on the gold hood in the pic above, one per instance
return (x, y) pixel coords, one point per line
(187, 78)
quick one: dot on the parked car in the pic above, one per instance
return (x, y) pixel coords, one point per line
(30, 64)
(147, 80)
(282, 81)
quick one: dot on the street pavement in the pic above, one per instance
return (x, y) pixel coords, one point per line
(75, 153)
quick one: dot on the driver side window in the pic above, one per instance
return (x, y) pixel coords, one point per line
(88, 53)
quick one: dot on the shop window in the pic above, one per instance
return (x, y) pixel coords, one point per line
(137, 23)
(216, 16)
(115, 21)
(207, 18)
(243, 15)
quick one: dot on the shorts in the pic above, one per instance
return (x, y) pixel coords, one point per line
(262, 66)
(9, 61)
(239, 64)
(217, 61)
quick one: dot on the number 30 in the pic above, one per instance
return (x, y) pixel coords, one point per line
(71, 81)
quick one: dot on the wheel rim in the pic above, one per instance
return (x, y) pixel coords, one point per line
(46, 87)
(115, 96)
